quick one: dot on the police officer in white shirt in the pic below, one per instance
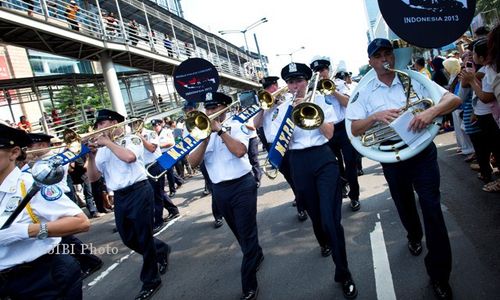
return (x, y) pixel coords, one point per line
(316, 177)
(165, 142)
(265, 120)
(152, 151)
(234, 187)
(380, 101)
(28, 270)
(339, 143)
(121, 163)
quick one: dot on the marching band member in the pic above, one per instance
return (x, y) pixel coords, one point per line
(339, 143)
(234, 187)
(152, 151)
(121, 163)
(28, 270)
(316, 175)
(380, 101)
(266, 119)
(216, 213)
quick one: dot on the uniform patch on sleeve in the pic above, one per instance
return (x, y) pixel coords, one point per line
(245, 129)
(329, 100)
(355, 97)
(136, 141)
(123, 143)
(51, 192)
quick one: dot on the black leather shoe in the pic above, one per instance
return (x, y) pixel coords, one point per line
(302, 216)
(250, 295)
(218, 223)
(163, 263)
(326, 251)
(86, 273)
(349, 289)
(260, 260)
(147, 293)
(294, 203)
(442, 290)
(361, 173)
(158, 228)
(355, 205)
(415, 248)
(171, 194)
(172, 216)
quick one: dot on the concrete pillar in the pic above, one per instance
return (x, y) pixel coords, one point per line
(112, 84)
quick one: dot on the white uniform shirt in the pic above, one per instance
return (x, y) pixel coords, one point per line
(481, 108)
(376, 96)
(338, 108)
(166, 135)
(253, 133)
(117, 173)
(221, 164)
(301, 138)
(48, 205)
(152, 137)
(272, 119)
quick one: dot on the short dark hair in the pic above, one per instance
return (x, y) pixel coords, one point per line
(420, 61)
(483, 30)
(481, 48)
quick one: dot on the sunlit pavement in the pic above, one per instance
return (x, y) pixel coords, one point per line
(205, 262)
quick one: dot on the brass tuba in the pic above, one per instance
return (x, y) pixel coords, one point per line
(370, 144)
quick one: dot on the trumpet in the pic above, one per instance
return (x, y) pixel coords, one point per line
(381, 132)
(267, 100)
(308, 115)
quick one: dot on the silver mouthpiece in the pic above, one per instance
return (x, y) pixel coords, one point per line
(387, 66)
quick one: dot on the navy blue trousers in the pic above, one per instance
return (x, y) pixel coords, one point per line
(134, 221)
(422, 174)
(209, 185)
(348, 156)
(253, 157)
(162, 200)
(56, 276)
(237, 200)
(317, 181)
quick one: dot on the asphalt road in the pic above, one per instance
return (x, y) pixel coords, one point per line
(205, 262)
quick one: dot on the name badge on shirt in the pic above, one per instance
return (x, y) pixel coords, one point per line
(275, 114)
(51, 192)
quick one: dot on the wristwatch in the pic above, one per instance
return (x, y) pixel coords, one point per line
(44, 232)
(221, 131)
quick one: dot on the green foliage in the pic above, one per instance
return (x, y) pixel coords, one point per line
(88, 96)
(486, 5)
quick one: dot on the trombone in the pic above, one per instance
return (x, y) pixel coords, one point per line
(267, 100)
(198, 125)
(308, 115)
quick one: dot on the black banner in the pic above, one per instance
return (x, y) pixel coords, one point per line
(195, 77)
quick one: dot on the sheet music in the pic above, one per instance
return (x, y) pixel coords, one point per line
(412, 139)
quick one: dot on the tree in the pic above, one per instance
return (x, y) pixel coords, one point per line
(486, 5)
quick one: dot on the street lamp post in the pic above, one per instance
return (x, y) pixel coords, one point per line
(244, 31)
(291, 53)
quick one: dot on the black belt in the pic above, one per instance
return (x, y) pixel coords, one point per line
(132, 187)
(340, 125)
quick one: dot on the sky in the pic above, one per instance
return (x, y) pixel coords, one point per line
(336, 29)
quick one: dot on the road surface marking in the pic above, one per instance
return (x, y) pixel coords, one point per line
(381, 267)
(124, 258)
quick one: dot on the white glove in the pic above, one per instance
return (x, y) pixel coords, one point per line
(14, 233)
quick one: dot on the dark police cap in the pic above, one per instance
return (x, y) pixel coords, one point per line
(268, 81)
(378, 44)
(155, 122)
(40, 137)
(296, 70)
(342, 74)
(11, 137)
(214, 99)
(319, 64)
(107, 114)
